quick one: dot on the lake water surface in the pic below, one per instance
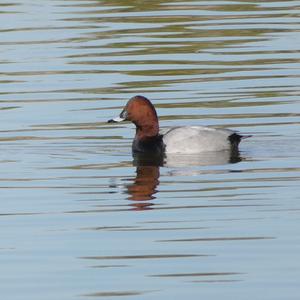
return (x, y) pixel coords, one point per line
(80, 219)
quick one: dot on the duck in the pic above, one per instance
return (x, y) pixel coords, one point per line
(178, 140)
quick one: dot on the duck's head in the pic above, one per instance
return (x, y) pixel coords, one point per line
(140, 111)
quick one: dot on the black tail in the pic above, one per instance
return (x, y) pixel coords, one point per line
(235, 139)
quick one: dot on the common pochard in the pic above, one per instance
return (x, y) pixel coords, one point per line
(181, 140)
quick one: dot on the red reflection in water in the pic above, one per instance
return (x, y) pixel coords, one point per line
(144, 186)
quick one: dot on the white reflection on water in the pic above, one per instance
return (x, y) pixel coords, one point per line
(203, 159)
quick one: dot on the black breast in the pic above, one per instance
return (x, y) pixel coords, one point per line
(152, 145)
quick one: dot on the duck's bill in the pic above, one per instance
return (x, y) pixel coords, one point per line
(116, 120)
(120, 118)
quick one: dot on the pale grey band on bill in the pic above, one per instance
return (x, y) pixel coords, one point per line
(117, 120)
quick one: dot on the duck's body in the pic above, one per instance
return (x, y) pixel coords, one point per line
(195, 139)
(180, 140)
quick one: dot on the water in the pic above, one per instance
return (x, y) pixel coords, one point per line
(80, 219)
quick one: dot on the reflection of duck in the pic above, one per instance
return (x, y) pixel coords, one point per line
(144, 185)
(146, 182)
(184, 140)
(202, 159)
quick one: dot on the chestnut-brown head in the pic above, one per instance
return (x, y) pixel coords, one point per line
(140, 111)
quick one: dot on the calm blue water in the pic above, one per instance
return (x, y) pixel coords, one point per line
(79, 219)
